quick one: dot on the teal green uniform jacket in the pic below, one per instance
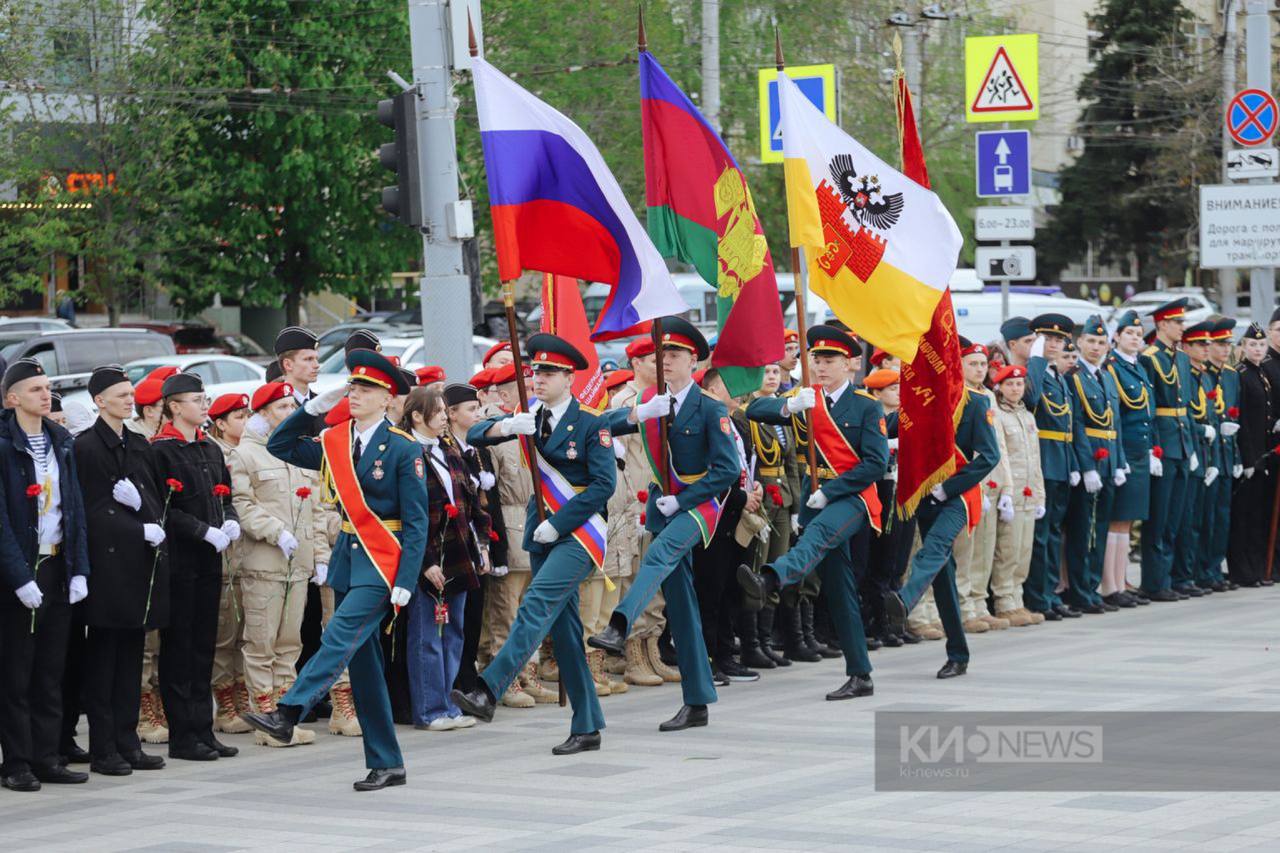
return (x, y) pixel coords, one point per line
(1048, 397)
(1137, 408)
(1095, 404)
(581, 449)
(399, 494)
(976, 439)
(1202, 407)
(1228, 381)
(1169, 372)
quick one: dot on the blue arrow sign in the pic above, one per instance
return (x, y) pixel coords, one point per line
(1003, 163)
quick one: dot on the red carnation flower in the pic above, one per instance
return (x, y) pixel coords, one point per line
(1233, 412)
(174, 484)
(303, 492)
(1212, 394)
(642, 518)
(1027, 491)
(1157, 451)
(1276, 450)
(493, 535)
(451, 510)
(221, 490)
(1101, 453)
(642, 495)
(775, 494)
(34, 490)
(992, 484)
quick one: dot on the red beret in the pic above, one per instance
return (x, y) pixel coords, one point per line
(494, 350)
(504, 374)
(790, 336)
(974, 349)
(640, 347)
(878, 356)
(269, 393)
(226, 404)
(483, 379)
(148, 391)
(430, 373)
(1009, 371)
(617, 378)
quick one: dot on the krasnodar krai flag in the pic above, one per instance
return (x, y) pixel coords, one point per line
(880, 248)
(558, 209)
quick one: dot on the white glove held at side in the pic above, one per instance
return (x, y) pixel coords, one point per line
(1074, 479)
(545, 533)
(1157, 467)
(1004, 506)
(400, 596)
(30, 595)
(1092, 482)
(1229, 429)
(321, 575)
(817, 500)
(1210, 474)
(232, 529)
(1195, 461)
(668, 505)
(153, 533)
(288, 543)
(78, 589)
(1120, 478)
(487, 480)
(1210, 433)
(219, 540)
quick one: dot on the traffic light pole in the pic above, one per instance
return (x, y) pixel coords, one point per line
(444, 288)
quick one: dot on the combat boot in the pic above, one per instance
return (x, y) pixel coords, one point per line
(226, 716)
(637, 670)
(548, 669)
(794, 646)
(532, 686)
(996, 623)
(266, 703)
(152, 725)
(976, 626)
(1016, 618)
(669, 674)
(515, 697)
(343, 721)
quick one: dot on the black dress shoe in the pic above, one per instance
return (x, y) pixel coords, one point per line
(478, 703)
(688, 717)
(1164, 595)
(59, 776)
(1232, 585)
(379, 779)
(1137, 592)
(1139, 600)
(1189, 590)
(1118, 600)
(111, 765)
(23, 780)
(222, 749)
(895, 613)
(909, 638)
(1221, 586)
(737, 672)
(199, 751)
(1050, 615)
(140, 760)
(874, 643)
(1066, 611)
(857, 685)
(1109, 607)
(953, 668)
(73, 754)
(578, 743)
(757, 659)
(891, 641)
(611, 639)
(275, 724)
(1093, 609)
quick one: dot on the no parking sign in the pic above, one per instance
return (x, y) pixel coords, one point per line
(1251, 117)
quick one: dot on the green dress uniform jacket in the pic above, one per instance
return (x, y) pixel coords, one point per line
(1137, 413)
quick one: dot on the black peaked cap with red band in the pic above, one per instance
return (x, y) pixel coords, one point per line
(833, 341)
(547, 350)
(374, 368)
(679, 332)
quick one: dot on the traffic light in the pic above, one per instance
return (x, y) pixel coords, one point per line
(404, 200)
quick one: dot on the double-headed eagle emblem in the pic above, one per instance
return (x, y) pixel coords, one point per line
(862, 194)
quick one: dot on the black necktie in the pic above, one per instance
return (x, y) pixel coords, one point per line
(544, 431)
(355, 453)
(830, 402)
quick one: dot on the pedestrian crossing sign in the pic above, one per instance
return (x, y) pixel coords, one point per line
(1001, 78)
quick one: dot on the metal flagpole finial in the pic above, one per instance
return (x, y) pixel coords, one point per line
(471, 37)
(642, 40)
(777, 48)
(897, 49)
(509, 293)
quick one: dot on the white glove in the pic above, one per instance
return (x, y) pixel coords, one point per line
(619, 449)
(1248, 473)
(125, 492)
(487, 480)
(153, 533)
(1236, 471)
(78, 589)
(657, 406)
(1092, 482)
(668, 505)
(1195, 461)
(1210, 433)
(1074, 479)
(938, 493)
(324, 402)
(1037, 347)
(1276, 428)
(521, 423)
(986, 504)
(545, 533)
(288, 543)
(817, 500)
(893, 444)
(1120, 478)
(1157, 467)
(219, 540)
(795, 525)
(803, 399)
(1229, 428)
(1005, 507)
(232, 529)
(400, 596)
(321, 575)
(1039, 513)
(1210, 474)
(30, 595)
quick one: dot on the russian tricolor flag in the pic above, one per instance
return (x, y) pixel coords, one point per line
(558, 209)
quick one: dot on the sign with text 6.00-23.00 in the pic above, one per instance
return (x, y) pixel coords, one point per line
(1003, 223)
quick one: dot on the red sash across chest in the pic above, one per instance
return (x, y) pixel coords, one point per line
(837, 454)
(378, 541)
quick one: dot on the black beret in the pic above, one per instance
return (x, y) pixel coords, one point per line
(1254, 333)
(274, 372)
(362, 339)
(409, 376)
(546, 350)
(20, 371)
(181, 383)
(1275, 315)
(295, 337)
(104, 377)
(55, 402)
(458, 393)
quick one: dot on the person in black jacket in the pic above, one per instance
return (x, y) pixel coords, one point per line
(123, 501)
(200, 524)
(44, 566)
(1251, 507)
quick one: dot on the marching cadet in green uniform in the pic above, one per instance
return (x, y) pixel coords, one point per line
(379, 477)
(847, 427)
(703, 466)
(1230, 467)
(1168, 370)
(944, 512)
(1049, 397)
(577, 474)
(1202, 392)
(1136, 414)
(1095, 404)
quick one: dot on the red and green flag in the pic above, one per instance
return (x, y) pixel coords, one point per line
(700, 211)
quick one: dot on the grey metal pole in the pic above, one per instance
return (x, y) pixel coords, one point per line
(444, 288)
(711, 62)
(1227, 277)
(1262, 281)
(911, 64)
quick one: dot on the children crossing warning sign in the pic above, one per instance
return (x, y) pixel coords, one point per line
(1002, 78)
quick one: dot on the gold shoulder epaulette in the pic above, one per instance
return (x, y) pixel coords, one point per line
(1151, 350)
(401, 432)
(863, 392)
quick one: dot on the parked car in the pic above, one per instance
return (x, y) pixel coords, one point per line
(410, 350)
(32, 324)
(70, 355)
(221, 374)
(1199, 306)
(333, 339)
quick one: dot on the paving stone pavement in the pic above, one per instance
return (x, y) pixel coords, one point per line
(777, 769)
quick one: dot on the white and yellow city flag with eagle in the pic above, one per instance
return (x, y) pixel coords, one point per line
(880, 248)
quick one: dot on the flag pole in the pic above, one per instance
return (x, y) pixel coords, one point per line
(664, 423)
(801, 318)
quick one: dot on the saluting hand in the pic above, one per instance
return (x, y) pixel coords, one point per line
(321, 404)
